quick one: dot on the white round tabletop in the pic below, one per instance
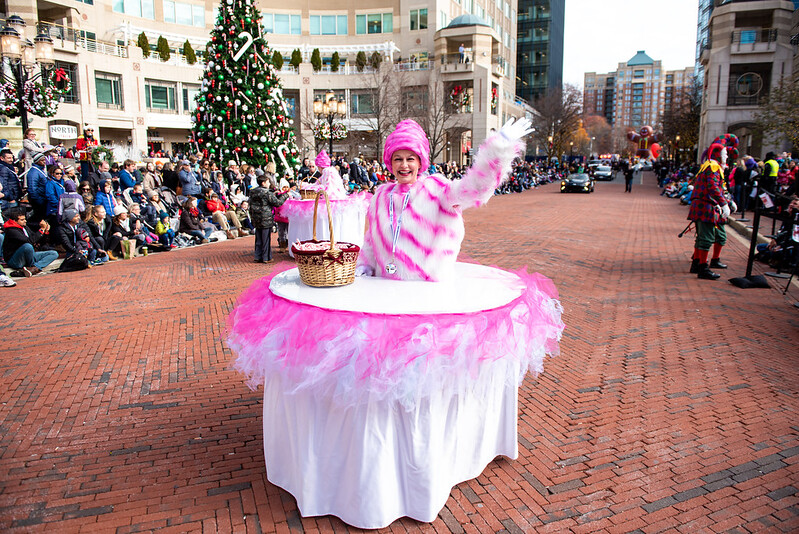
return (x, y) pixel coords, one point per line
(474, 288)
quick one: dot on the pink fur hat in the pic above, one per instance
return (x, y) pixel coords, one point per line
(408, 135)
(322, 160)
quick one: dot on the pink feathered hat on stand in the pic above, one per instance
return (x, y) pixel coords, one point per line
(322, 160)
(408, 135)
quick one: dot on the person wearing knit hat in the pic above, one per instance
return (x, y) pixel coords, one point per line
(709, 211)
(70, 199)
(415, 226)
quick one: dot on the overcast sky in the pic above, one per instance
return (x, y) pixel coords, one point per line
(601, 33)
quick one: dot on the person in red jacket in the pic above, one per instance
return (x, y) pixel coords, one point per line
(224, 217)
(85, 144)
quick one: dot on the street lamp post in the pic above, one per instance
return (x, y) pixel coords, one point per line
(23, 57)
(591, 149)
(677, 151)
(328, 110)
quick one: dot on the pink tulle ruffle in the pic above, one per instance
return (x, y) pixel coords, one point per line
(355, 357)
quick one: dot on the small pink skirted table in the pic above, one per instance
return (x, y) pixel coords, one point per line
(382, 395)
(349, 219)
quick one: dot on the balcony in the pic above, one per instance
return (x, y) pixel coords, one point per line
(457, 63)
(410, 66)
(763, 40)
(65, 38)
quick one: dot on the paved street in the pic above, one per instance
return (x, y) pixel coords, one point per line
(672, 407)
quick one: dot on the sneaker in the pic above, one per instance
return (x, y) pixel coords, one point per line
(5, 281)
(33, 270)
(27, 272)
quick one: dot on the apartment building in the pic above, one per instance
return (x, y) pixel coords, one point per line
(636, 94)
(147, 103)
(748, 52)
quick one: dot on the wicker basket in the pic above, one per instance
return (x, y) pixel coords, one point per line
(330, 267)
(308, 194)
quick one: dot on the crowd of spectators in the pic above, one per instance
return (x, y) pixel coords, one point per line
(91, 214)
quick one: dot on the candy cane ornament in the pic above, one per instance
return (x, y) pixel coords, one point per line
(247, 44)
(281, 152)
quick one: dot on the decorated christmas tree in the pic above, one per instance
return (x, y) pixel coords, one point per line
(241, 113)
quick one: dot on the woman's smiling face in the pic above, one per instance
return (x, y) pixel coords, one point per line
(405, 166)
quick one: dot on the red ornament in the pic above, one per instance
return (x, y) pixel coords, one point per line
(228, 114)
(251, 152)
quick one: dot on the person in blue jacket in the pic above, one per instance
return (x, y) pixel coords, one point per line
(37, 181)
(53, 190)
(105, 197)
(126, 179)
(12, 191)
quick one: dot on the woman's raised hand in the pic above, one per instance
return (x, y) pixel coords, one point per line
(513, 130)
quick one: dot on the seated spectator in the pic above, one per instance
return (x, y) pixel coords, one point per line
(191, 221)
(75, 238)
(126, 179)
(11, 187)
(85, 190)
(54, 188)
(70, 199)
(105, 197)
(18, 245)
(170, 178)
(144, 233)
(164, 231)
(189, 181)
(243, 213)
(150, 213)
(99, 224)
(224, 217)
(151, 180)
(121, 230)
(85, 233)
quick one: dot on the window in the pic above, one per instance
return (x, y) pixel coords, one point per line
(71, 70)
(190, 93)
(281, 23)
(481, 12)
(638, 73)
(328, 24)
(160, 96)
(443, 20)
(361, 104)
(419, 19)
(414, 100)
(108, 88)
(136, 8)
(374, 23)
(182, 13)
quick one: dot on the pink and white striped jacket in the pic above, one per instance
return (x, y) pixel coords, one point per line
(432, 225)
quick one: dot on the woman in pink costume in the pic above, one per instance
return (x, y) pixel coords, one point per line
(415, 227)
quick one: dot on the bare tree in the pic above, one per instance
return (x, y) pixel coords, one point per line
(558, 118)
(682, 117)
(776, 119)
(429, 106)
(377, 105)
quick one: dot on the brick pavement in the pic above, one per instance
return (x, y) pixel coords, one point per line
(119, 414)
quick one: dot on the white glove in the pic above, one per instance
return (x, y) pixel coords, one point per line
(364, 270)
(733, 206)
(725, 211)
(513, 131)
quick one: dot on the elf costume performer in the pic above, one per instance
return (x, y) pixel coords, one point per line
(415, 227)
(710, 209)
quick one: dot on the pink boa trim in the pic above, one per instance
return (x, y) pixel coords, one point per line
(357, 357)
(303, 209)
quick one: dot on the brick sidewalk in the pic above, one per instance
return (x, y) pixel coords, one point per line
(119, 414)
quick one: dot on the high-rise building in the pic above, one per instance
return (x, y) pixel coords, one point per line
(702, 35)
(748, 52)
(539, 56)
(147, 103)
(636, 94)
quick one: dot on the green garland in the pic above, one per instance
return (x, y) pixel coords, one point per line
(101, 154)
